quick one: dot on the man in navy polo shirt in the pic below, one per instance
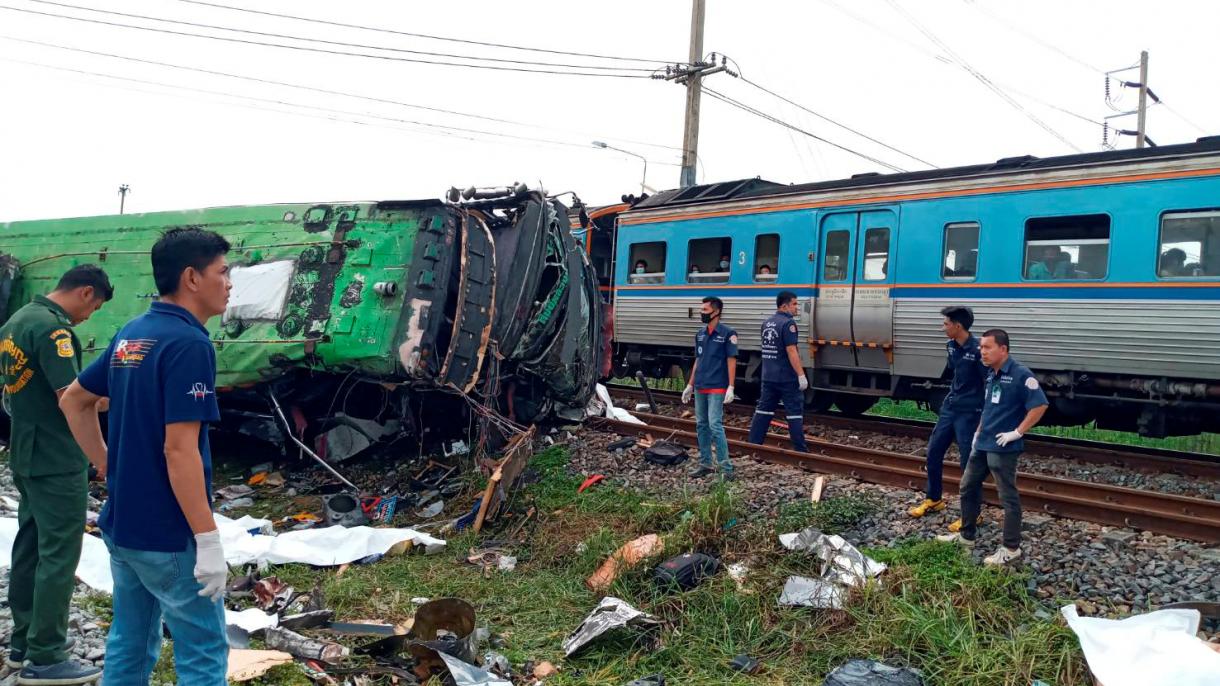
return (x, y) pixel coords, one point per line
(165, 554)
(783, 375)
(711, 384)
(1013, 402)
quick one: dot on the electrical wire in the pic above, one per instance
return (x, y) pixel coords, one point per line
(423, 35)
(840, 125)
(1182, 117)
(314, 89)
(364, 46)
(775, 120)
(303, 48)
(979, 76)
(1030, 36)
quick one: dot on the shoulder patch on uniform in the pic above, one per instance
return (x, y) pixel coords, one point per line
(733, 339)
(63, 347)
(60, 332)
(1031, 383)
(792, 328)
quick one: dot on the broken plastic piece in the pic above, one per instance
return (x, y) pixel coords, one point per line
(466, 674)
(746, 664)
(650, 680)
(610, 613)
(233, 492)
(589, 482)
(629, 554)
(431, 509)
(872, 673)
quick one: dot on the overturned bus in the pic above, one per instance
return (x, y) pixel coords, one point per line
(356, 325)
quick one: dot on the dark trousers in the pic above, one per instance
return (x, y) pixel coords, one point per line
(950, 427)
(51, 522)
(794, 408)
(1003, 470)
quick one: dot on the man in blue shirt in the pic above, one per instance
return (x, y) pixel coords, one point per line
(160, 373)
(1013, 402)
(711, 384)
(960, 411)
(783, 375)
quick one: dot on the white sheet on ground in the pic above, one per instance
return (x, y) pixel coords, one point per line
(1154, 649)
(319, 547)
(251, 619)
(613, 412)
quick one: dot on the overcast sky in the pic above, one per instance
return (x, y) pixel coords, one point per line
(899, 71)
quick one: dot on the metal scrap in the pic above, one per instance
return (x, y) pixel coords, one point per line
(273, 595)
(611, 613)
(466, 674)
(843, 567)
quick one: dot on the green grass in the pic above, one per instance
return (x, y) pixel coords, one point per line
(1207, 443)
(934, 609)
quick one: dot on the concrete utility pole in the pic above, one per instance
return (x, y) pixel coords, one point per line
(1140, 130)
(694, 89)
(124, 189)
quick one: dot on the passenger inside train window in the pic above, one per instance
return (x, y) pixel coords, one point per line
(1071, 247)
(1044, 268)
(961, 256)
(1190, 245)
(647, 263)
(713, 251)
(766, 254)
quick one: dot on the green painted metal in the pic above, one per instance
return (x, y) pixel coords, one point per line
(333, 319)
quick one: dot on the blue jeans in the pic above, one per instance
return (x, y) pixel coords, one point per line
(773, 392)
(951, 426)
(709, 425)
(148, 586)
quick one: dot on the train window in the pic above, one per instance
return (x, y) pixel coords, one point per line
(1062, 248)
(708, 260)
(837, 255)
(1190, 245)
(766, 257)
(647, 263)
(876, 254)
(961, 258)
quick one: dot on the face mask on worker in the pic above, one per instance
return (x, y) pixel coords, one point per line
(706, 317)
(724, 264)
(639, 270)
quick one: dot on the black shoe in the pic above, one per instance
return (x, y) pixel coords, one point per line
(701, 471)
(728, 476)
(66, 673)
(16, 659)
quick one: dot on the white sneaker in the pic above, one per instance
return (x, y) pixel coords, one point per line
(955, 538)
(1002, 556)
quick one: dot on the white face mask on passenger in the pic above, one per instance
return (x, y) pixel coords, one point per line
(639, 270)
(724, 265)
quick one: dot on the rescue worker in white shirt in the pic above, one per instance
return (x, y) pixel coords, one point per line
(783, 375)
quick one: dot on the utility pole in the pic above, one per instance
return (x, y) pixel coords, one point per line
(1142, 119)
(694, 89)
(124, 189)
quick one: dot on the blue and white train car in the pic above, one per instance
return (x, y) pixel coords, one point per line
(1104, 268)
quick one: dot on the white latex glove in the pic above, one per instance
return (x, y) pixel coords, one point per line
(803, 382)
(1007, 437)
(728, 396)
(687, 394)
(975, 443)
(210, 568)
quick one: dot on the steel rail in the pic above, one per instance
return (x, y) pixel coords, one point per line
(1179, 516)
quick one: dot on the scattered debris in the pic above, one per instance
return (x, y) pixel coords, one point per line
(1152, 649)
(629, 554)
(738, 572)
(466, 674)
(621, 444)
(819, 485)
(251, 620)
(665, 453)
(602, 405)
(650, 680)
(343, 510)
(307, 620)
(445, 625)
(274, 480)
(431, 510)
(236, 503)
(491, 557)
(685, 571)
(303, 646)
(804, 591)
(273, 595)
(745, 663)
(544, 670)
(367, 629)
(872, 673)
(596, 478)
(233, 492)
(245, 665)
(842, 562)
(610, 613)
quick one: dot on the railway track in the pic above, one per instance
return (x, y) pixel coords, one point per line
(1130, 457)
(1179, 516)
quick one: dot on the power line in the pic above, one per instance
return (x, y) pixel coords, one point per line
(961, 62)
(1179, 115)
(775, 120)
(842, 126)
(329, 110)
(1046, 44)
(421, 35)
(330, 42)
(318, 50)
(314, 89)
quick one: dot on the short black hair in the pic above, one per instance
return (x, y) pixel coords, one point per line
(178, 249)
(959, 315)
(87, 275)
(1000, 336)
(715, 302)
(784, 298)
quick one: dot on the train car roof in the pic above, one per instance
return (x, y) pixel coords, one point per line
(760, 188)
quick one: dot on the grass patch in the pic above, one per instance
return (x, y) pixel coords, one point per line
(833, 515)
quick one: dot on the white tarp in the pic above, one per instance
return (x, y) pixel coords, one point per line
(601, 402)
(259, 290)
(1154, 649)
(325, 547)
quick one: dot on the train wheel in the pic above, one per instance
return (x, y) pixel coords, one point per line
(818, 401)
(854, 405)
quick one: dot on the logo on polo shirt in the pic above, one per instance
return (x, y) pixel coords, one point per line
(130, 352)
(199, 391)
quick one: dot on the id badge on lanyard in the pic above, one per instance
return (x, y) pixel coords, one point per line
(995, 394)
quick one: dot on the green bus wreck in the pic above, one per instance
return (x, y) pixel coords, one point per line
(367, 323)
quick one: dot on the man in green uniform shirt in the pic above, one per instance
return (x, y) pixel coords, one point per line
(39, 358)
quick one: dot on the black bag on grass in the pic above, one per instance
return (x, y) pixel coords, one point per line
(685, 571)
(665, 453)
